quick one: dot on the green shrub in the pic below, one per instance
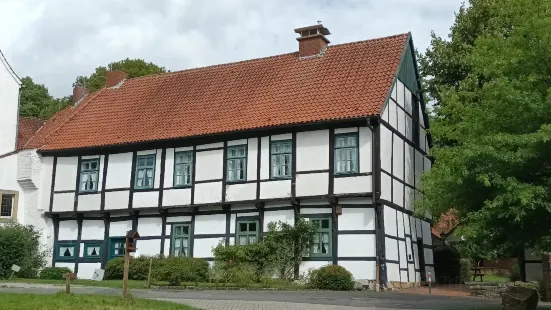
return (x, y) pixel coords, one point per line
(114, 269)
(515, 273)
(176, 270)
(542, 290)
(138, 268)
(20, 245)
(465, 270)
(54, 273)
(253, 258)
(332, 277)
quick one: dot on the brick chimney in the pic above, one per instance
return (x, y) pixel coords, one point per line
(79, 92)
(114, 78)
(312, 40)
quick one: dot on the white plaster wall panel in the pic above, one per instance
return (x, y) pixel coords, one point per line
(409, 169)
(306, 266)
(400, 220)
(312, 184)
(89, 202)
(398, 158)
(146, 152)
(392, 114)
(408, 100)
(401, 121)
(64, 202)
(419, 228)
(356, 219)
(68, 265)
(403, 254)
(169, 168)
(312, 150)
(157, 176)
(119, 170)
(393, 91)
(361, 270)
(275, 189)
(209, 146)
(119, 229)
(148, 247)
(417, 277)
(244, 207)
(202, 247)
(209, 165)
(285, 136)
(384, 115)
(403, 276)
(233, 218)
(252, 151)
(386, 187)
(409, 250)
(9, 102)
(237, 142)
(68, 230)
(345, 130)
(365, 137)
(409, 199)
(416, 256)
(407, 226)
(356, 201)
(413, 228)
(356, 245)
(350, 185)
(116, 200)
(178, 219)
(386, 149)
(145, 200)
(92, 230)
(400, 88)
(320, 210)
(183, 149)
(210, 224)
(393, 272)
(167, 247)
(418, 168)
(240, 192)
(427, 235)
(45, 183)
(313, 202)
(422, 137)
(86, 270)
(66, 173)
(276, 204)
(409, 128)
(150, 226)
(411, 273)
(534, 272)
(390, 221)
(398, 193)
(264, 158)
(208, 192)
(391, 246)
(428, 256)
(285, 216)
(177, 197)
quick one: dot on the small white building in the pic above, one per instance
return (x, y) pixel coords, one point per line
(192, 158)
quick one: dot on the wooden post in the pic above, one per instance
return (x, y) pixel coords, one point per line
(68, 277)
(125, 274)
(377, 279)
(149, 274)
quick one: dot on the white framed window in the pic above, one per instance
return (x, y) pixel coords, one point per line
(346, 153)
(183, 166)
(6, 205)
(89, 172)
(237, 163)
(281, 157)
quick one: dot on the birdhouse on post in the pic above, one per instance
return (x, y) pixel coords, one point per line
(131, 237)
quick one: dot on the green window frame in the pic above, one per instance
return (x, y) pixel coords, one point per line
(281, 159)
(247, 232)
(145, 171)
(346, 153)
(92, 250)
(89, 175)
(183, 168)
(236, 163)
(117, 247)
(322, 241)
(181, 240)
(66, 250)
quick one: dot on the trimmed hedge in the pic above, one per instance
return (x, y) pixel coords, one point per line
(20, 245)
(332, 277)
(54, 273)
(465, 270)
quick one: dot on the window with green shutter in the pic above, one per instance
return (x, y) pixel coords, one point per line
(346, 153)
(321, 244)
(180, 240)
(145, 171)
(89, 172)
(237, 163)
(183, 165)
(65, 250)
(117, 247)
(92, 250)
(247, 232)
(280, 157)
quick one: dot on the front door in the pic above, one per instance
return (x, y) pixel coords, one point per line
(421, 254)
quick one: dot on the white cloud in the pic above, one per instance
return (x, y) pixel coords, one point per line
(54, 41)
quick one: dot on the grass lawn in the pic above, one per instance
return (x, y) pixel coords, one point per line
(88, 302)
(104, 283)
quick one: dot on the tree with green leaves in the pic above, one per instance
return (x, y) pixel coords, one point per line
(490, 83)
(133, 67)
(34, 98)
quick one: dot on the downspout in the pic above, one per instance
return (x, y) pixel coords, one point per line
(17, 116)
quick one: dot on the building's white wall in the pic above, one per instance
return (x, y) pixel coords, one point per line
(145, 200)
(350, 185)
(320, 210)
(393, 272)
(177, 197)
(86, 270)
(312, 150)
(203, 247)
(209, 165)
(150, 226)
(305, 266)
(240, 192)
(391, 246)
(275, 189)
(264, 158)
(66, 173)
(427, 238)
(208, 192)
(252, 152)
(119, 229)
(390, 221)
(118, 171)
(89, 202)
(116, 200)
(403, 254)
(68, 265)
(356, 219)
(312, 184)
(169, 167)
(148, 247)
(9, 105)
(285, 216)
(210, 224)
(361, 270)
(64, 202)
(178, 219)
(68, 230)
(357, 245)
(92, 230)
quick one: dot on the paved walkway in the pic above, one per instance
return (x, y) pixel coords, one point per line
(268, 300)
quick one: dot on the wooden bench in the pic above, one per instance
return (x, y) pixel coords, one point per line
(478, 272)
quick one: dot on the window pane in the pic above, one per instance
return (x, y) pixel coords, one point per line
(185, 230)
(252, 239)
(325, 224)
(141, 162)
(150, 161)
(242, 240)
(243, 227)
(252, 227)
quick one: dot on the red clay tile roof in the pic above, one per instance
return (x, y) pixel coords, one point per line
(28, 126)
(447, 223)
(350, 81)
(55, 122)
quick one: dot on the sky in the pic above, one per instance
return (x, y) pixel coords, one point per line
(53, 41)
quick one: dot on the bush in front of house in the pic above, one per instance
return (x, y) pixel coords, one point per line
(54, 273)
(465, 270)
(515, 273)
(332, 277)
(176, 270)
(20, 245)
(447, 265)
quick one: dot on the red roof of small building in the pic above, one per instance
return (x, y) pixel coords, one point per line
(446, 224)
(350, 81)
(28, 126)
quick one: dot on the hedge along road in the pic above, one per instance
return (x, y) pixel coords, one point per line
(274, 299)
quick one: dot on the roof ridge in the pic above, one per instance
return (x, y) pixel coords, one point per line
(260, 58)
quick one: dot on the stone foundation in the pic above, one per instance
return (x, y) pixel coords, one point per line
(402, 285)
(495, 290)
